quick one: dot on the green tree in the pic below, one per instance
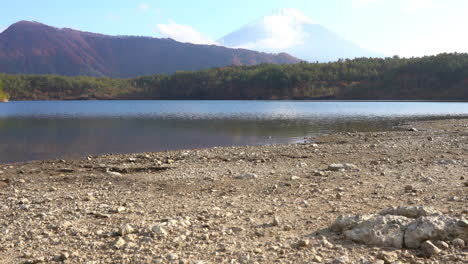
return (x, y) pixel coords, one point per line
(3, 95)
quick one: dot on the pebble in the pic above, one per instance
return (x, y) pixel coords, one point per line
(429, 249)
(388, 257)
(119, 243)
(62, 257)
(303, 243)
(327, 244)
(276, 221)
(442, 245)
(126, 229)
(172, 257)
(113, 173)
(247, 176)
(458, 243)
(159, 230)
(341, 260)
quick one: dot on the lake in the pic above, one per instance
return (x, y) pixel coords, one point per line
(74, 129)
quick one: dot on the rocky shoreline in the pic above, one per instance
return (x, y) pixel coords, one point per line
(380, 197)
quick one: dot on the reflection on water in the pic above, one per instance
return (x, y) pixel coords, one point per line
(44, 130)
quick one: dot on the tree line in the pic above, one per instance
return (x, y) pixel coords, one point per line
(440, 77)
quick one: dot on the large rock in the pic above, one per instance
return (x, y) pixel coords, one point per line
(347, 222)
(401, 227)
(381, 231)
(410, 211)
(438, 227)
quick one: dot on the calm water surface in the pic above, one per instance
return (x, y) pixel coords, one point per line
(73, 129)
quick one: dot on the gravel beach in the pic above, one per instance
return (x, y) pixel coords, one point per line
(401, 197)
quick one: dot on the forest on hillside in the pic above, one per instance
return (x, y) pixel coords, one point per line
(441, 77)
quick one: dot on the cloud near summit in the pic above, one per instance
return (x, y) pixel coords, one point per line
(280, 30)
(182, 33)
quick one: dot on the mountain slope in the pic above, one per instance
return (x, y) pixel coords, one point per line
(288, 30)
(34, 48)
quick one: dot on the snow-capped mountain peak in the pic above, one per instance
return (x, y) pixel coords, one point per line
(290, 30)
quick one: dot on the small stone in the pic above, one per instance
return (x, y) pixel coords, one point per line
(458, 243)
(276, 221)
(247, 176)
(126, 229)
(172, 257)
(303, 243)
(159, 230)
(388, 257)
(35, 260)
(413, 129)
(319, 173)
(341, 167)
(294, 178)
(429, 249)
(317, 259)
(120, 209)
(62, 257)
(341, 260)
(463, 223)
(335, 167)
(119, 243)
(113, 173)
(442, 245)
(408, 188)
(327, 244)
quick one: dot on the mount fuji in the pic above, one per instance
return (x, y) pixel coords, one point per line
(289, 30)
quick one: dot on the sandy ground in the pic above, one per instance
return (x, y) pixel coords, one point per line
(262, 204)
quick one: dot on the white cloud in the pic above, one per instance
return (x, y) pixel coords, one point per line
(143, 7)
(182, 33)
(282, 30)
(2, 28)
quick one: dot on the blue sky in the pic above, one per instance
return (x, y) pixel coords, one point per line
(392, 27)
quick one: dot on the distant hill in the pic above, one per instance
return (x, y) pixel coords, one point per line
(34, 48)
(288, 30)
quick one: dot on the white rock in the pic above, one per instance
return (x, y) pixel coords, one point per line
(429, 249)
(126, 229)
(119, 243)
(247, 176)
(336, 167)
(381, 231)
(159, 230)
(113, 173)
(437, 227)
(347, 222)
